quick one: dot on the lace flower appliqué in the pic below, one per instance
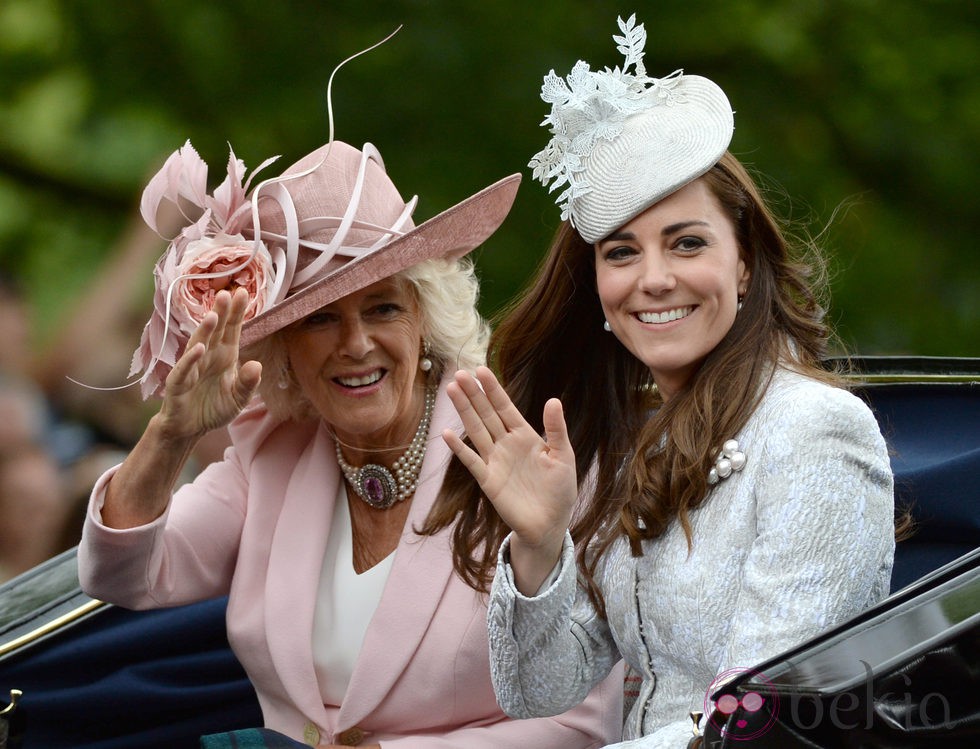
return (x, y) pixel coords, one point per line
(589, 106)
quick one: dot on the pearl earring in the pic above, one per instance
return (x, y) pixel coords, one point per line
(738, 308)
(425, 363)
(606, 326)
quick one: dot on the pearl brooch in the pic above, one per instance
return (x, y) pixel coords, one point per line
(380, 487)
(729, 460)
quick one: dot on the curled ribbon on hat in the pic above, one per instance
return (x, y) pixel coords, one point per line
(213, 251)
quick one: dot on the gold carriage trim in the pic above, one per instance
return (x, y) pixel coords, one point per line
(51, 626)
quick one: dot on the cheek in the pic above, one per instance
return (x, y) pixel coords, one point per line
(608, 288)
(305, 354)
(303, 375)
(720, 283)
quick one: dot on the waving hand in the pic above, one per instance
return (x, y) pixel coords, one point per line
(206, 388)
(530, 479)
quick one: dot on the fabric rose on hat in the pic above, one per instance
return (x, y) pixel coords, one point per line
(207, 266)
(211, 265)
(209, 254)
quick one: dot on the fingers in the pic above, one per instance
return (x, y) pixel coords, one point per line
(185, 372)
(223, 324)
(555, 429)
(205, 330)
(488, 413)
(212, 349)
(232, 328)
(503, 407)
(479, 396)
(465, 394)
(473, 462)
(249, 376)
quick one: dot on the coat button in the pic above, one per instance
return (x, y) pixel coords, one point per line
(311, 734)
(350, 737)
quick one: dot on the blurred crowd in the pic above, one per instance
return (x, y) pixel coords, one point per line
(64, 418)
(40, 454)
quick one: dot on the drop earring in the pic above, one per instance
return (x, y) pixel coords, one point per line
(606, 326)
(738, 308)
(425, 363)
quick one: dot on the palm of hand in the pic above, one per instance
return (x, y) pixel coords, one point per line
(530, 480)
(206, 388)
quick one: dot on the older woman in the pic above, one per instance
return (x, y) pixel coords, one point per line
(735, 500)
(351, 626)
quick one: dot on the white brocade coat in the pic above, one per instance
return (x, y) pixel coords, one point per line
(798, 541)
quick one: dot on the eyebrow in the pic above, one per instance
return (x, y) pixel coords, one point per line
(681, 226)
(667, 231)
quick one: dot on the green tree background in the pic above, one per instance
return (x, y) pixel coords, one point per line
(872, 106)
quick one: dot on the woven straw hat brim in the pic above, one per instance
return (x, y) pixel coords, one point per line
(451, 234)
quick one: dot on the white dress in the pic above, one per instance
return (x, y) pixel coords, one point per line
(799, 540)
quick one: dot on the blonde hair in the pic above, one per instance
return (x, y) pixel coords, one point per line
(447, 292)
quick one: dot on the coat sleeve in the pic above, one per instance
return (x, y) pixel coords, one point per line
(188, 554)
(549, 651)
(185, 555)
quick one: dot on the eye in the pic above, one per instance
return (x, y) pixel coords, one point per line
(620, 253)
(689, 244)
(318, 319)
(386, 310)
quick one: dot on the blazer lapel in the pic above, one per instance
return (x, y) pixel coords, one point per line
(421, 570)
(295, 563)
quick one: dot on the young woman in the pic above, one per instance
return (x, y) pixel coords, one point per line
(686, 487)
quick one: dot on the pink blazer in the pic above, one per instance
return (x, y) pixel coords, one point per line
(255, 526)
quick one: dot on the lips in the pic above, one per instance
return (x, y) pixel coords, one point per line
(357, 381)
(658, 318)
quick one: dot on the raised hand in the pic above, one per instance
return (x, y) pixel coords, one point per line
(530, 479)
(207, 388)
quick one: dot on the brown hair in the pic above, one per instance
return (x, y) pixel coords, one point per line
(550, 343)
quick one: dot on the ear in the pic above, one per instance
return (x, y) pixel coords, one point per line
(743, 278)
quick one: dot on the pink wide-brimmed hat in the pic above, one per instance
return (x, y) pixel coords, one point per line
(331, 224)
(355, 229)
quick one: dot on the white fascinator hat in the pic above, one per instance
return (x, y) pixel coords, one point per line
(621, 140)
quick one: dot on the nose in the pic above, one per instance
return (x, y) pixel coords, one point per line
(355, 339)
(657, 274)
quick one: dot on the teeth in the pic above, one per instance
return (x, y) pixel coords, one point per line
(661, 317)
(354, 382)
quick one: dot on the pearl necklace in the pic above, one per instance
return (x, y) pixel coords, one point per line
(380, 487)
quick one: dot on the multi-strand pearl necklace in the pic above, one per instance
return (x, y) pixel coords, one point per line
(380, 487)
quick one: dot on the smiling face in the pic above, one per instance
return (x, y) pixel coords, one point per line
(357, 361)
(669, 282)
